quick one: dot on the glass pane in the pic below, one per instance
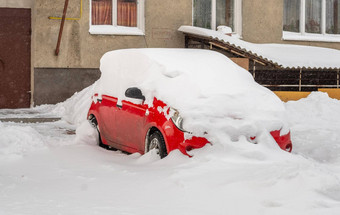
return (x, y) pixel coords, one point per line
(291, 15)
(313, 16)
(127, 13)
(101, 12)
(225, 13)
(332, 17)
(202, 13)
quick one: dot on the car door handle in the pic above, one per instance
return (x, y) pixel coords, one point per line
(119, 106)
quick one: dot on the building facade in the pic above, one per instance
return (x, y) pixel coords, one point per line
(93, 27)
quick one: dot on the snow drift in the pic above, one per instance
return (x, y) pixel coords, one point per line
(68, 178)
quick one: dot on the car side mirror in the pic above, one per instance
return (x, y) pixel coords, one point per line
(135, 93)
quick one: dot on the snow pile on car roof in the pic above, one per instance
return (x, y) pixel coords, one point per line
(210, 92)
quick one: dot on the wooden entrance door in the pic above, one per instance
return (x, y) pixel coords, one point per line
(15, 57)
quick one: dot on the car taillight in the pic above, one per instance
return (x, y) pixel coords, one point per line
(283, 141)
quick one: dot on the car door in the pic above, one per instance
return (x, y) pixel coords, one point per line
(130, 124)
(107, 115)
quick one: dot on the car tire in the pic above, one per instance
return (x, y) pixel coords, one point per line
(156, 141)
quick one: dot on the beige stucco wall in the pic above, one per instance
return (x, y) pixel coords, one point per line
(17, 3)
(262, 23)
(79, 49)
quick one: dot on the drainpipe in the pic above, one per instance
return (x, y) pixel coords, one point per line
(61, 28)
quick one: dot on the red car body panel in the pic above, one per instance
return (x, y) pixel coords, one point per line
(283, 141)
(126, 126)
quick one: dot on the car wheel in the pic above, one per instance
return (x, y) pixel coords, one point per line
(93, 121)
(156, 141)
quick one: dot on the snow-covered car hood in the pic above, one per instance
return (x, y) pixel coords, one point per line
(212, 93)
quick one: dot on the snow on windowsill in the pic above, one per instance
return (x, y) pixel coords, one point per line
(115, 30)
(286, 35)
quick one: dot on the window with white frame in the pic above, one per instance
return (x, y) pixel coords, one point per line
(311, 20)
(117, 17)
(213, 13)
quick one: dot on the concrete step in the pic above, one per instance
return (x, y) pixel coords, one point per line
(29, 120)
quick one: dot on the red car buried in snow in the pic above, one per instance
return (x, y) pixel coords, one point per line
(133, 107)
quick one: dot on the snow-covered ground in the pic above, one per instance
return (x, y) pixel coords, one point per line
(45, 169)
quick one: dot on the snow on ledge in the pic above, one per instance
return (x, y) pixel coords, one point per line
(286, 35)
(115, 30)
(285, 55)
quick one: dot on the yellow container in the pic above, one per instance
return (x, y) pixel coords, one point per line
(332, 93)
(291, 95)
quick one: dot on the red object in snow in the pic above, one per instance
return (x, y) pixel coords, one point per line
(129, 127)
(283, 141)
(139, 128)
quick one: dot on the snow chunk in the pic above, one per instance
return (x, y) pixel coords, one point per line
(18, 140)
(74, 110)
(86, 134)
(224, 29)
(315, 123)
